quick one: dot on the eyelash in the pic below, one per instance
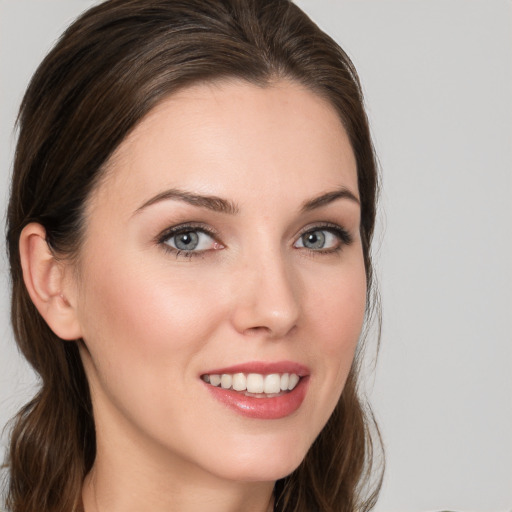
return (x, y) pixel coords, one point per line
(184, 228)
(345, 239)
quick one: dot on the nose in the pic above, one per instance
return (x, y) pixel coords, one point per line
(267, 298)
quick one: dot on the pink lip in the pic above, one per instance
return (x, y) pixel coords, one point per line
(262, 408)
(263, 367)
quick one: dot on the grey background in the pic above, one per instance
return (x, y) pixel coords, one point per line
(438, 79)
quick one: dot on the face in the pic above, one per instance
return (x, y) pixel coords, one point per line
(223, 244)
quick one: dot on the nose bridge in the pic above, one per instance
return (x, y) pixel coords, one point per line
(269, 299)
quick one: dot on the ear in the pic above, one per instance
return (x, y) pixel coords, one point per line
(48, 283)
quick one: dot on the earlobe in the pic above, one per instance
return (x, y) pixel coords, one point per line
(47, 284)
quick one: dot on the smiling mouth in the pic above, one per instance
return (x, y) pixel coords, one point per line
(256, 385)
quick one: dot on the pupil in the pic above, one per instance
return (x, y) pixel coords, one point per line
(314, 240)
(187, 241)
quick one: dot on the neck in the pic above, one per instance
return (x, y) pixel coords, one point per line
(115, 493)
(135, 477)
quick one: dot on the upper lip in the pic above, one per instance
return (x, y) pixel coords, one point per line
(262, 367)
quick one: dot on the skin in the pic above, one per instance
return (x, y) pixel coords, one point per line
(153, 321)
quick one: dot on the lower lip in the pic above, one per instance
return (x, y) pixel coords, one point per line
(262, 408)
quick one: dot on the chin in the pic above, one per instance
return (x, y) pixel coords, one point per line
(259, 461)
(260, 473)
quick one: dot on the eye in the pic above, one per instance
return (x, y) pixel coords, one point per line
(188, 240)
(324, 239)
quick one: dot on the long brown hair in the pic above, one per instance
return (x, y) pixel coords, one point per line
(108, 70)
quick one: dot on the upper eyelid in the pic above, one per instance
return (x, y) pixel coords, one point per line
(344, 235)
(320, 225)
(324, 226)
(186, 226)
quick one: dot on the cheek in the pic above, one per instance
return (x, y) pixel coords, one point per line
(340, 306)
(146, 327)
(145, 316)
(337, 313)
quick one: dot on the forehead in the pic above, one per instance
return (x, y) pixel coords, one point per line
(234, 138)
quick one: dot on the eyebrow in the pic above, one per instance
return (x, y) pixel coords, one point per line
(220, 205)
(213, 203)
(329, 197)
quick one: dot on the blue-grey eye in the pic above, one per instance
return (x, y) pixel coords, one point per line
(186, 241)
(318, 239)
(193, 240)
(313, 239)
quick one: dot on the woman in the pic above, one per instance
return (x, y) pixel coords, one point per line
(189, 234)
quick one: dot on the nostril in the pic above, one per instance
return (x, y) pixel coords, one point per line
(258, 330)
(268, 332)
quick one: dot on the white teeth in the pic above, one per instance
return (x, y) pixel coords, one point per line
(226, 380)
(284, 381)
(256, 383)
(293, 380)
(272, 383)
(214, 380)
(239, 382)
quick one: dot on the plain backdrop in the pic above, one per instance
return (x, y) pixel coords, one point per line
(437, 75)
